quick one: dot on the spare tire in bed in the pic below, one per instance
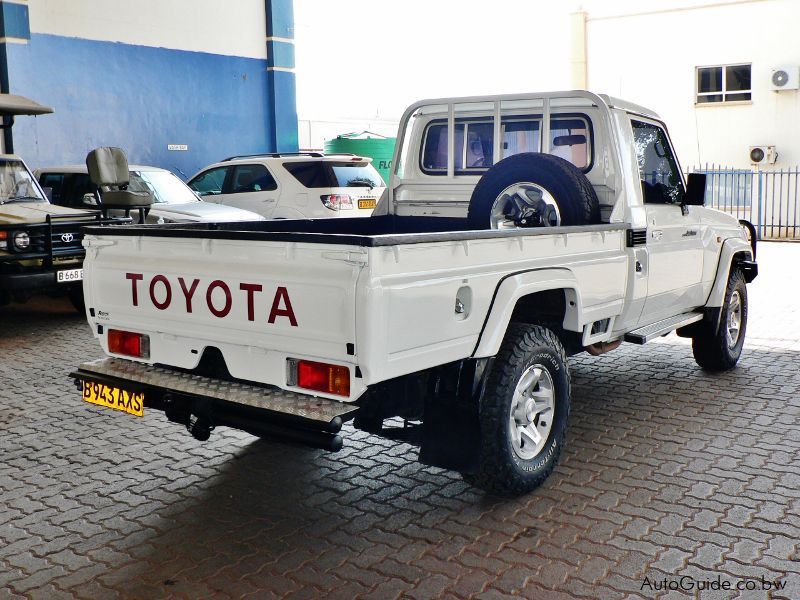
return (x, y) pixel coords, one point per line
(533, 190)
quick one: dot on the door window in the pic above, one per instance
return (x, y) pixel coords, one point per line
(658, 169)
(209, 182)
(252, 178)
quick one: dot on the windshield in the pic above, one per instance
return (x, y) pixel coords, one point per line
(166, 188)
(16, 183)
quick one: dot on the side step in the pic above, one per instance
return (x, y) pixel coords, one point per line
(659, 328)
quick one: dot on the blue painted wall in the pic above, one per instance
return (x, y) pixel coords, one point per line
(142, 99)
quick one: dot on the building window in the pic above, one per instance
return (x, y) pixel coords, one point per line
(724, 83)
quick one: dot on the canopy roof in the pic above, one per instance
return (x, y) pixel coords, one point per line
(11, 104)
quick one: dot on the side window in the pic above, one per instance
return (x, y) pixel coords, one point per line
(658, 170)
(54, 181)
(252, 178)
(311, 174)
(210, 182)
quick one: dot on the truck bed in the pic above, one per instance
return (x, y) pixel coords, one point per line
(378, 295)
(385, 230)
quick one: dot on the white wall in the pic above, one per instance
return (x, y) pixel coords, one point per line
(650, 59)
(234, 28)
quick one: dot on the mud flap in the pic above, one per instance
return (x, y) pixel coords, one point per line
(451, 436)
(451, 433)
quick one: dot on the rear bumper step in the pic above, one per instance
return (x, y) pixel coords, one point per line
(659, 328)
(262, 411)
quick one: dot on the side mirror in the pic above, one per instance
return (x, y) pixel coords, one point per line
(89, 200)
(695, 190)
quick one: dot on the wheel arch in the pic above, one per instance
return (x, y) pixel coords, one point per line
(735, 252)
(530, 296)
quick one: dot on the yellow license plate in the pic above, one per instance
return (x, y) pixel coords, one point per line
(112, 397)
(367, 203)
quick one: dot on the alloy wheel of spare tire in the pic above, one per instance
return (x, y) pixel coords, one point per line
(524, 412)
(533, 190)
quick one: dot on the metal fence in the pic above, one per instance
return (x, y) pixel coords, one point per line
(766, 198)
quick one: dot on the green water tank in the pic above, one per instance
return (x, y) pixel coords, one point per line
(378, 147)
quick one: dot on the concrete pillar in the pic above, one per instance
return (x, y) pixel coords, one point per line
(579, 75)
(282, 94)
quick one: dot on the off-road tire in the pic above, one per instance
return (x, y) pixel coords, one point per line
(710, 348)
(501, 471)
(576, 199)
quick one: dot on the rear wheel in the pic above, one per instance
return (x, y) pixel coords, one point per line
(524, 413)
(720, 350)
(533, 190)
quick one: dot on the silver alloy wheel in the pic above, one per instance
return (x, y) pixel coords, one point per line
(528, 197)
(733, 325)
(532, 412)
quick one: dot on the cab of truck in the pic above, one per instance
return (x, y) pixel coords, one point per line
(605, 160)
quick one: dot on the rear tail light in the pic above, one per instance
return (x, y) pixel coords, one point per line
(3, 240)
(128, 343)
(337, 201)
(319, 377)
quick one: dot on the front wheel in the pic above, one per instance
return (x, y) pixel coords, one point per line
(524, 413)
(720, 350)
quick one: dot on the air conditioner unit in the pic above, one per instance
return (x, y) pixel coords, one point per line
(785, 78)
(763, 155)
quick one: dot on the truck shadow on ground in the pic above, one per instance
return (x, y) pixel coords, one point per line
(283, 515)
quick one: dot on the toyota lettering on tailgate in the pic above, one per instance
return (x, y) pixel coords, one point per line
(160, 291)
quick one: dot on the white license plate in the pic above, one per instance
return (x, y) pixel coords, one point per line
(69, 275)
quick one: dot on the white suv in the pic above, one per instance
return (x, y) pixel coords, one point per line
(304, 185)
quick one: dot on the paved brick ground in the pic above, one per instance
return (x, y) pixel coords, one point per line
(668, 472)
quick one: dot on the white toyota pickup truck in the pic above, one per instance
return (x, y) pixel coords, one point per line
(516, 231)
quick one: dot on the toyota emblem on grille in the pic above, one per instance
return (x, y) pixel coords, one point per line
(67, 237)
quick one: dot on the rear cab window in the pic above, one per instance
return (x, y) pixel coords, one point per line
(328, 173)
(570, 139)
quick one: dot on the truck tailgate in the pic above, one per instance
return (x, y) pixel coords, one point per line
(257, 302)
